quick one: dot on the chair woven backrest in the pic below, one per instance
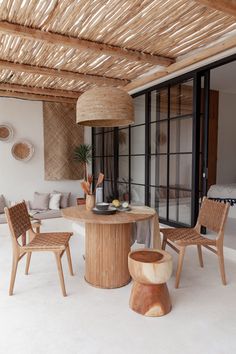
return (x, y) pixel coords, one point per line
(18, 219)
(213, 215)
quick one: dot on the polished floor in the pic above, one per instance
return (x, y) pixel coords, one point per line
(37, 319)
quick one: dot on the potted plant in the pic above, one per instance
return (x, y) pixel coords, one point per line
(83, 154)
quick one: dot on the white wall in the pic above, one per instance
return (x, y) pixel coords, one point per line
(19, 180)
(226, 162)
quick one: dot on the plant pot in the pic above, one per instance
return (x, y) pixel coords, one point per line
(81, 201)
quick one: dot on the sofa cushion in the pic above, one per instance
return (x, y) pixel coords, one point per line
(2, 204)
(65, 197)
(54, 201)
(47, 214)
(41, 201)
(3, 219)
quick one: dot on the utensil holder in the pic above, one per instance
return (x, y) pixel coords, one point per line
(90, 201)
(99, 195)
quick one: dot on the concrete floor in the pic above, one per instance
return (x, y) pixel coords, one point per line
(37, 319)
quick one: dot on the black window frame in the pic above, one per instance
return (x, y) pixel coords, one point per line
(196, 75)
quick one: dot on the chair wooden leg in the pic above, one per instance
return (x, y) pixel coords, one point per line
(199, 249)
(69, 260)
(220, 254)
(179, 267)
(13, 274)
(28, 262)
(60, 272)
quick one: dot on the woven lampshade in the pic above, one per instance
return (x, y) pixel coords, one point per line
(105, 107)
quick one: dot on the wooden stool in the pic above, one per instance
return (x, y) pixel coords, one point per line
(150, 270)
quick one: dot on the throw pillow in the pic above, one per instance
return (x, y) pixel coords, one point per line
(41, 201)
(54, 202)
(2, 204)
(65, 197)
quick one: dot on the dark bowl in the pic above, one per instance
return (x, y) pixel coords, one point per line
(102, 206)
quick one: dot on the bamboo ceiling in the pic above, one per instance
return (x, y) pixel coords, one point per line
(56, 49)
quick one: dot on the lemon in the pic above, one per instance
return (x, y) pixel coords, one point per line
(125, 205)
(116, 203)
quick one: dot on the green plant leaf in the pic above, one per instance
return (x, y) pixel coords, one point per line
(83, 153)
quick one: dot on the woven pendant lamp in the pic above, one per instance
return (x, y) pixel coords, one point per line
(105, 107)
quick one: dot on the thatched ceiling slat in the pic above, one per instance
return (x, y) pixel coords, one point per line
(159, 28)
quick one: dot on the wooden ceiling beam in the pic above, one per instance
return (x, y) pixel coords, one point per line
(203, 54)
(145, 80)
(64, 74)
(39, 90)
(228, 7)
(32, 97)
(82, 44)
(185, 62)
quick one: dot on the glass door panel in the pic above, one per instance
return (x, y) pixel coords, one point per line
(172, 152)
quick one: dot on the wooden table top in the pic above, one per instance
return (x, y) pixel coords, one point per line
(80, 214)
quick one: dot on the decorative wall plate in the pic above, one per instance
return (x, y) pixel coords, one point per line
(6, 132)
(22, 150)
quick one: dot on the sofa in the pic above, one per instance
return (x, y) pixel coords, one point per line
(43, 206)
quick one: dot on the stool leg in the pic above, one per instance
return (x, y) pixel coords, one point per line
(150, 300)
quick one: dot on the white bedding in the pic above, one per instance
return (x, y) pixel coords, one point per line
(223, 191)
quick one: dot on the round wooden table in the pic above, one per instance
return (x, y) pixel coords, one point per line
(107, 244)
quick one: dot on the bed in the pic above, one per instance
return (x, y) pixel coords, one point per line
(223, 192)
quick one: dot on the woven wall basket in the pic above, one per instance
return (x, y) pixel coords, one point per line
(22, 150)
(105, 107)
(6, 132)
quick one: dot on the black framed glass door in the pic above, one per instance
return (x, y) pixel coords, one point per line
(158, 161)
(171, 153)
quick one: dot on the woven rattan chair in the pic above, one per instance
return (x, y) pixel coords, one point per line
(56, 242)
(213, 216)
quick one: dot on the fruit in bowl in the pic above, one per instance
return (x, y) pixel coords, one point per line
(125, 205)
(116, 203)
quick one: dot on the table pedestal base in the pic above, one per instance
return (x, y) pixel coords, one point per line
(150, 300)
(106, 254)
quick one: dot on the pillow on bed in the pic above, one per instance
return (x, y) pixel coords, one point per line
(2, 204)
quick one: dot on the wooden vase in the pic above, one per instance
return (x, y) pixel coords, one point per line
(90, 201)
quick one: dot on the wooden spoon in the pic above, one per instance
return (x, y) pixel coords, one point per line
(85, 187)
(100, 179)
(90, 179)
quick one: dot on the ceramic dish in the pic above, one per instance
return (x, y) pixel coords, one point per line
(109, 211)
(102, 206)
(123, 209)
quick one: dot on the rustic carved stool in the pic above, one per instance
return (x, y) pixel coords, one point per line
(150, 270)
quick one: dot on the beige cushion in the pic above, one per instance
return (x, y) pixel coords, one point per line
(2, 204)
(41, 201)
(54, 202)
(3, 219)
(48, 214)
(65, 197)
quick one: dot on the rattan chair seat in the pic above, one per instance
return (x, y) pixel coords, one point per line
(212, 216)
(56, 240)
(185, 237)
